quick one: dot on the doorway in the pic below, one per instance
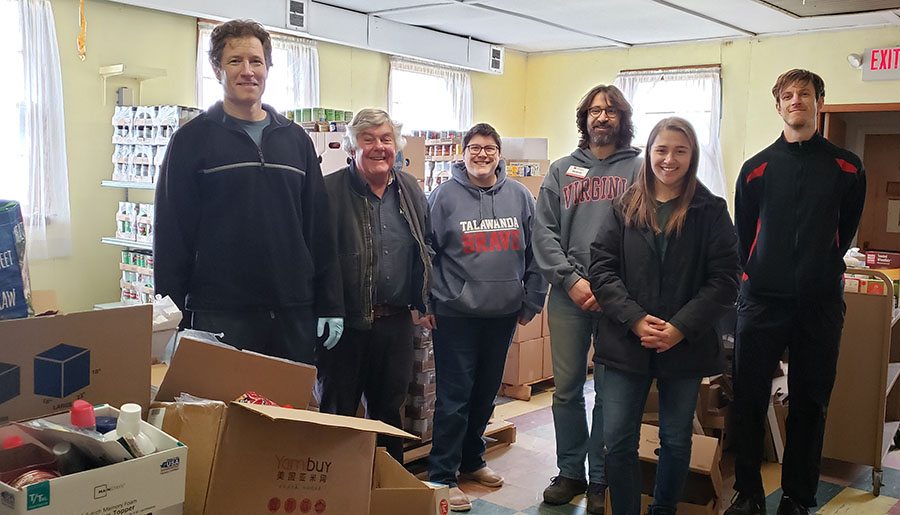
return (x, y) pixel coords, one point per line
(872, 131)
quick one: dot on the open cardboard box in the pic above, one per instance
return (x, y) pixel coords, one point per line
(150, 483)
(49, 362)
(395, 490)
(205, 370)
(271, 459)
(703, 485)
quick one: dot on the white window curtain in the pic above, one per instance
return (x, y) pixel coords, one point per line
(694, 94)
(424, 96)
(32, 127)
(293, 79)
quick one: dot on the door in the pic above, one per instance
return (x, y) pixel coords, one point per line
(880, 225)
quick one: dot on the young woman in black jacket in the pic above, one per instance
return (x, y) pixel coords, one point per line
(664, 268)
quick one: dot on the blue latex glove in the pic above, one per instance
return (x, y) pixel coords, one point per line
(335, 329)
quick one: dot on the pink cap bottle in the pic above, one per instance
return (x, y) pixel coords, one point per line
(83, 415)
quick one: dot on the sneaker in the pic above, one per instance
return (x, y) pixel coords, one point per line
(459, 501)
(485, 476)
(747, 505)
(563, 489)
(788, 506)
(596, 498)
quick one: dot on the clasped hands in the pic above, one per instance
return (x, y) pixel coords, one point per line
(656, 333)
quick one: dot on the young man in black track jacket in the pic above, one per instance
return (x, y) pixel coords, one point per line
(797, 207)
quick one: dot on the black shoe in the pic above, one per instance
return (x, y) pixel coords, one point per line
(747, 505)
(596, 498)
(788, 506)
(563, 489)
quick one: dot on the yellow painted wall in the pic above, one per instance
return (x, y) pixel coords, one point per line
(500, 99)
(556, 83)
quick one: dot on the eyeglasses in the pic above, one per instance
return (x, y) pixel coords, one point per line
(489, 150)
(611, 111)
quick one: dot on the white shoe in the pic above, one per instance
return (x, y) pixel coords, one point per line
(485, 476)
(458, 500)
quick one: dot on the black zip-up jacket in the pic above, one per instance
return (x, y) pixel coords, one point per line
(352, 216)
(244, 227)
(797, 207)
(691, 287)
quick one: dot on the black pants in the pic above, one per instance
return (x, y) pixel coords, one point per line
(811, 331)
(375, 364)
(284, 333)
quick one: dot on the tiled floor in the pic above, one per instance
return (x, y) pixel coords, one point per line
(528, 465)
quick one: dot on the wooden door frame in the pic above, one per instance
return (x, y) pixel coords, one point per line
(821, 123)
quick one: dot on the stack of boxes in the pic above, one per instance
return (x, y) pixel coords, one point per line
(885, 262)
(137, 277)
(422, 390)
(320, 119)
(140, 137)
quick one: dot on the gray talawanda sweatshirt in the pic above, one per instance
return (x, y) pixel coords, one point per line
(576, 195)
(482, 238)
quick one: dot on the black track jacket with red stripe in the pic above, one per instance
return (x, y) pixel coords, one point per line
(797, 207)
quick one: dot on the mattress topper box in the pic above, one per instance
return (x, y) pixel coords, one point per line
(395, 490)
(148, 484)
(48, 362)
(223, 373)
(272, 459)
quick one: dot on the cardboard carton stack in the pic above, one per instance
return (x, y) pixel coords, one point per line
(529, 359)
(141, 136)
(420, 402)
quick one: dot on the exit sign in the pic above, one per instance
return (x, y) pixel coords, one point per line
(881, 64)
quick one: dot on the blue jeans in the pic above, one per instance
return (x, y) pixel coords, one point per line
(570, 339)
(469, 355)
(624, 396)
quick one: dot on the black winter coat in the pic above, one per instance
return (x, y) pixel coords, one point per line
(691, 287)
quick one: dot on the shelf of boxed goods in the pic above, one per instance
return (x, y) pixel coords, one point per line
(864, 412)
(131, 244)
(129, 185)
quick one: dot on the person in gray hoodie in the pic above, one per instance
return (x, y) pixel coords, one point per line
(574, 199)
(485, 280)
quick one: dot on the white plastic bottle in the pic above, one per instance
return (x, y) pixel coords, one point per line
(128, 431)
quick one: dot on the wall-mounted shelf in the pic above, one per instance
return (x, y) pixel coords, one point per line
(127, 243)
(129, 185)
(138, 73)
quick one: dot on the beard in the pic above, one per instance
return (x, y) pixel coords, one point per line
(601, 138)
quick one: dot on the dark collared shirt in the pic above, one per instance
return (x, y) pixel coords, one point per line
(394, 245)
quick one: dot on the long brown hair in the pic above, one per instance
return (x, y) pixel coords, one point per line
(640, 200)
(616, 99)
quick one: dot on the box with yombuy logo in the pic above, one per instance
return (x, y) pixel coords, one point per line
(149, 484)
(48, 362)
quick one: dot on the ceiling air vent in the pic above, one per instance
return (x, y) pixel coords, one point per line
(297, 14)
(809, 8)
(496, 64)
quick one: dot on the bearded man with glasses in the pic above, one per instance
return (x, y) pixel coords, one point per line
(574, 199)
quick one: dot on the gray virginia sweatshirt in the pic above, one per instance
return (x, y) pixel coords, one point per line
(483, 263)
(576, 195)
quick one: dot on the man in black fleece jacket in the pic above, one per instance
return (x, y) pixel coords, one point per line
(797, 207)
(243, 242)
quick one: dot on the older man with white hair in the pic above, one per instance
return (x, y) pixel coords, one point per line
(383, 229)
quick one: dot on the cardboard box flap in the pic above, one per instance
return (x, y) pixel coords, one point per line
(390, 474)
(225, 373)
(703, 449)
(325, 419)
(44, 301)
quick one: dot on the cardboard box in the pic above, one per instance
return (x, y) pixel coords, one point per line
(532, 182)
(529, 331)
(49, 362)
(414, 157)
(196, 425)
(524, 362)
(545, 322)
(395, 491)
(272, 458)
(882, 259)
(224, 373)
(703, 485)
(547, 368)
(140, 485)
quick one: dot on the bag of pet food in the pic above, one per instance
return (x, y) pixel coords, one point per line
(15, 288)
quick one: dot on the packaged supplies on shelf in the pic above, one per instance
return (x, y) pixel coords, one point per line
(144, 223)
(882, 259)
(123, 120)
(126, 217)
(423, 428)
(423, 359)
(142, 164)
(421, 337)
(426, 401)
(15, 283)
(144, 125)
(423, 383)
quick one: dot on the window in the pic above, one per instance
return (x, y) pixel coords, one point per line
(691, 93)
(293, 79)
(423, 96)
(32, 127)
